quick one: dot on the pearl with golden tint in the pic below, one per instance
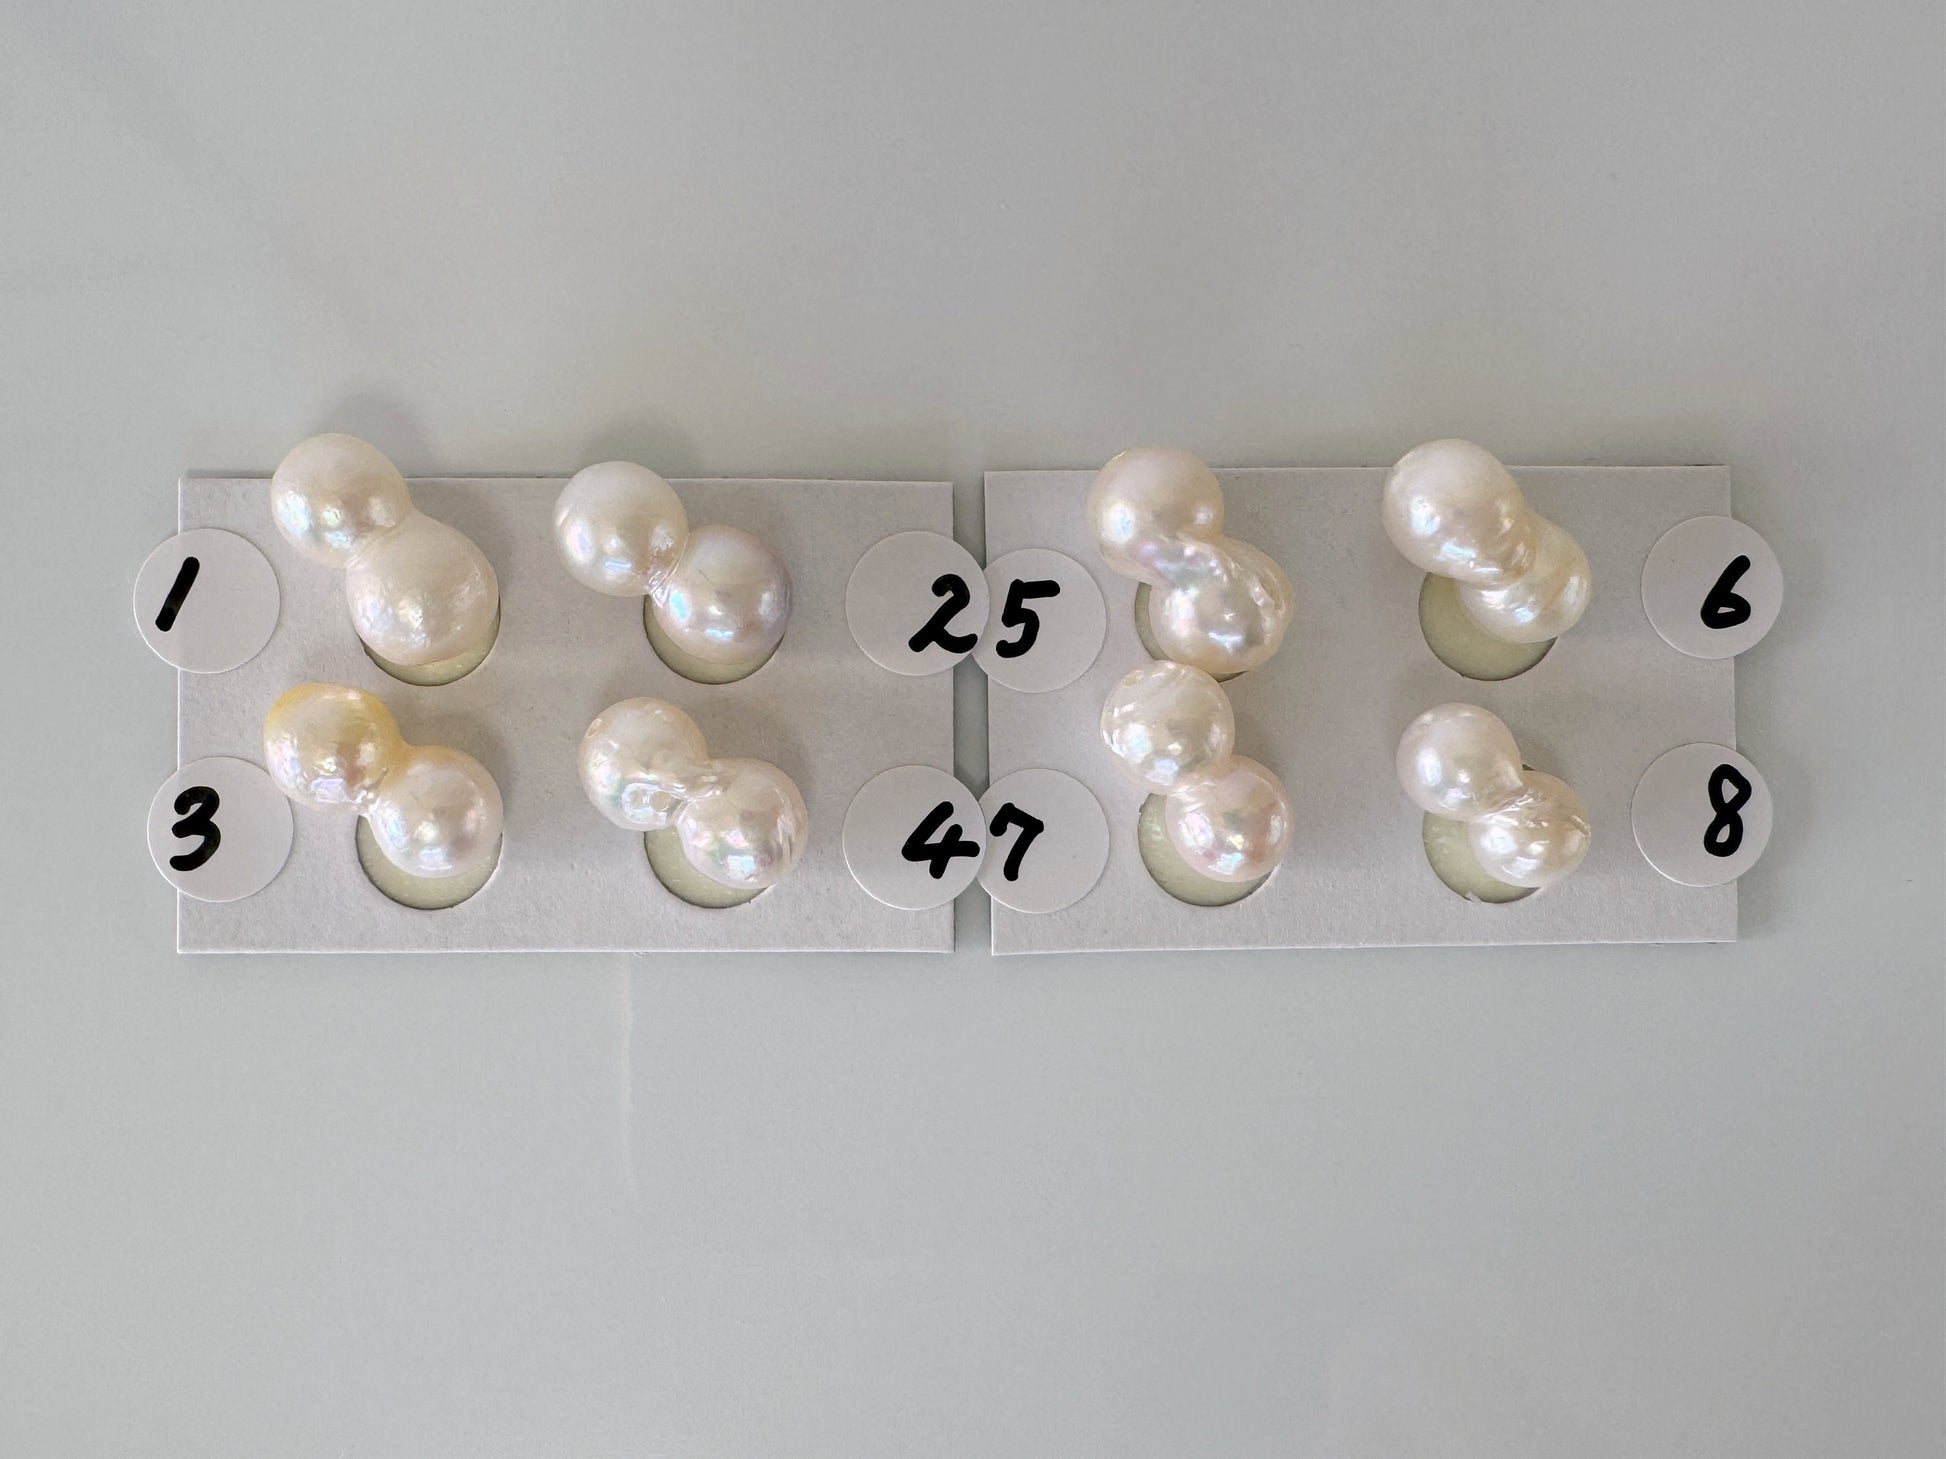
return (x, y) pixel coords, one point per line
(740, 823)
(433, 812)
(1526, 828)
(1451, 508)
(1215, 603)
(419, 591)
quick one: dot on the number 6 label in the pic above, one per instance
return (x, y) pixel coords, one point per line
(1049, 841)
(1712, 587)
(220, 830)
(1049, 624)
(1702, 815)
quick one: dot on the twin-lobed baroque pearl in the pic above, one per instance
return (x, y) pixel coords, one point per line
(721, 595)
(1216, 604)
(419, 591)
(433, 811)
(1451, 508)
(741, 823)
(1526, 828)
(1172, 731)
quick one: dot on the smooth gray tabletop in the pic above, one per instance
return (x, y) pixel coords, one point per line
(1576, 1201)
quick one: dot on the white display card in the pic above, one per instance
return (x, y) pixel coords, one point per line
(1326, 713)
(820, 710)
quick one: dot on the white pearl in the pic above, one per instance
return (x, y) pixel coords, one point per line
(1166, 724)
(720, 594)
(1451, 508)
(741, 823)
(419, 591)
(1172, 732)
(1527, 829)
(433, 812)
(1231, 827)
(1216, 604)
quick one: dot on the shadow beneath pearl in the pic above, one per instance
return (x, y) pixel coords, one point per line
(421, 893)
(1173, 874)
(683, 881)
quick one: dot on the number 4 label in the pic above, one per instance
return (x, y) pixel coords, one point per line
(914, 838)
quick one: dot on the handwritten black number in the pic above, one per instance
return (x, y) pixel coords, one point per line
(1725, 607)
(1011, 817)
(1016, 614)
(920, 846)
(952, 587)
(197, 807)
(1725, 833)
(172, 605)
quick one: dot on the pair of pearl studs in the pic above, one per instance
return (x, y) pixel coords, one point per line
(1216, 607)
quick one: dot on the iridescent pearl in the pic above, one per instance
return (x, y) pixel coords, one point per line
(1172, 732)
(740, 823)
(1166, 724)
(1216, 604)
(1451, 508)
(433, 812)
(1527, 829)
(721, 595)
(419, 591)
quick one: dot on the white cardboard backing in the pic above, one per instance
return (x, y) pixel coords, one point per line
(1326, 713)
(566, 881)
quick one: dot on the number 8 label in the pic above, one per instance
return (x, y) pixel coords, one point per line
(1702, 815)
(1050, 624)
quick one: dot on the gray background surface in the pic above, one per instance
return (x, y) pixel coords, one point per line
(1542, 1202)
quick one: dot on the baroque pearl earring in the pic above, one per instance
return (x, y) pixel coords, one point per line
(719, 596)
(1215, 603)
(1454, 510)
(1460, 763)
(433, 813)
(1172, 731)
(739, 823)
(422, 595)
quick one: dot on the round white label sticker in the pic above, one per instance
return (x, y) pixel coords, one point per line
(1702, 815)
(914, 837)
(1047, 624)
(916, 603)
(1712, 587)
(220, 829)
(1047, 841)
(206, 601)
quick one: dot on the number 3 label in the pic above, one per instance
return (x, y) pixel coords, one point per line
(1051, 622)
(1702, 815)
(1050, 841)
(219, 830)
(914, 838)
(1712, 587)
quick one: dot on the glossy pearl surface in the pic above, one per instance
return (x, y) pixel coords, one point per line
(1538, 839)
(1216, 604)
(327, 745)
(728, 599)
(1166, 724)
(1234, 826)
(619, 528)
(740, 823)
(1451, 508)
(1526, 828)
(1459, 761)
(419, 591)
(433, 812)
(438, 814)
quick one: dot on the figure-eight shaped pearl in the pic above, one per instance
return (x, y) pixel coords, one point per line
(419, 591)
(433, 812)
(741, 823)
(1172, 731)
(721, 595)
(1215, 603)
(1526, 829)
(1453, 509)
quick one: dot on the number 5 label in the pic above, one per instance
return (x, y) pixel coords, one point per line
(1049, 841)
(1050, 622)
(1702, 815)
(1712, 587)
